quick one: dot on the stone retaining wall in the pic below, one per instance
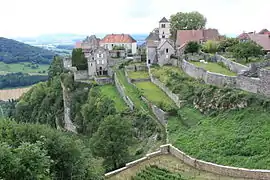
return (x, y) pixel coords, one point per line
(122, 93)
(233, 66)
(159, 113)
(103, 80)
(259, 85)
(80, 75)
(130, 80)
(133, 67)
(235, 172)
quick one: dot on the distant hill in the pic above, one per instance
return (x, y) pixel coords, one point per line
(12, 51)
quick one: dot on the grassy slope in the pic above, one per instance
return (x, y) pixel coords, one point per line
(237, 137)
(154, 94)
(21, 67)
(111, 92)
(214, 67)
(138, 74)
(131, 91)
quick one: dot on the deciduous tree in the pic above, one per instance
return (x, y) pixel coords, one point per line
(192, 47)
(186, 21)
(246, 50)
(112, 141)
(78, 59)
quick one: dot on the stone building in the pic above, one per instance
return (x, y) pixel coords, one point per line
(98, 59)
(98, 62)
(89, 43)
(159, 46)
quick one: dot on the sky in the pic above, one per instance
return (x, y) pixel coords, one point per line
(28, 18)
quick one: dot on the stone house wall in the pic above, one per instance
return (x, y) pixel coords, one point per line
(163, 56)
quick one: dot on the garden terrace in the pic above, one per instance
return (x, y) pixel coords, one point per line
(155, 95)
(154, 172)
(214, 67)
(110, 91)
(138, 74)
(172, 165)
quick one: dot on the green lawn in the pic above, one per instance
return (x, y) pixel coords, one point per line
(214, 67)
(267, 67)
(111, 92)
(22, 67)
(155, 95)
(138, 74)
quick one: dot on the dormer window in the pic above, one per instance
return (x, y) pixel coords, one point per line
(163, 26)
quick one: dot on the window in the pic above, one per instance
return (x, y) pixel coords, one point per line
(163, 26)
(97, 55)
(91, 64)
(101, 55)
(102, 61)
(167, 50)
(92, 58)
(97, 61)
(167, 56)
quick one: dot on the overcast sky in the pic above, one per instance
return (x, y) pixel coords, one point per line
(36, 17)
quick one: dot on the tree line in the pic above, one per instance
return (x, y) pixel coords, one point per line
(13, 80)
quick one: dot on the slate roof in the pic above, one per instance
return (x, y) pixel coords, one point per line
(118, 38)
(153, 36)
(163, 20)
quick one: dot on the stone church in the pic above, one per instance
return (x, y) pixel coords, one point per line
(159, 46)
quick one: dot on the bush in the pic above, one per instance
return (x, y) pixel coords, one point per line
(192, 47)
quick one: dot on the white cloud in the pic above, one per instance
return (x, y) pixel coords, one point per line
(34, 17)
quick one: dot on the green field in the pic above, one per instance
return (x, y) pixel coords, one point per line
(214, 67)
(111, 92)
(138, 74)
(155, 95)
(23, 67)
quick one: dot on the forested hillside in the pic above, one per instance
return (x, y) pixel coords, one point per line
(114, 135)
(12, 51)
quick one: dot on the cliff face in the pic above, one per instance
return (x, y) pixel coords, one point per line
(68, 125)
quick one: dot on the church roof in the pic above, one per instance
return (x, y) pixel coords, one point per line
(152, 36)
(163, 20)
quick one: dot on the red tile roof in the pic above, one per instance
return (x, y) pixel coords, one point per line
(184, 36)
(118, 38)
(78, 45)
(261, 39)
